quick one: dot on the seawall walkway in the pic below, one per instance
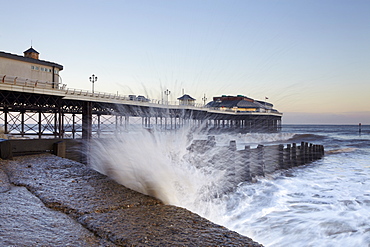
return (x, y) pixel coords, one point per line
(46, 200)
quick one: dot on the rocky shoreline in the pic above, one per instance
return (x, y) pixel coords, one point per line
(50, 201)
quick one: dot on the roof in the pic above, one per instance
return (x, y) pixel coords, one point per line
(234, 103)
(265, 103)
(186, 97)
(31, 50)
(239, 101)
(30, 60)
(230, 97)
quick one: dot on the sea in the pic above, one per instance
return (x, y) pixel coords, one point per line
(323, 203)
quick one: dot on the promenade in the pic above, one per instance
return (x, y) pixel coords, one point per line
(46, 200)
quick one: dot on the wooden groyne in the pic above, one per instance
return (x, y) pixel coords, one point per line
(249, 163)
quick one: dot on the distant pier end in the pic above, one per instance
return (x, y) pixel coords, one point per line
(248, 115)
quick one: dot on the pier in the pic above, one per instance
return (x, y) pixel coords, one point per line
(40, 109)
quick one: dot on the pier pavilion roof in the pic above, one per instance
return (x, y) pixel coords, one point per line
(235, 103)
(238, 102)
(186, 97)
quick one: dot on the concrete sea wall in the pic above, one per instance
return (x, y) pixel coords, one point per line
(51, 201)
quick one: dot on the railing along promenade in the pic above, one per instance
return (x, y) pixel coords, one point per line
(66, 113)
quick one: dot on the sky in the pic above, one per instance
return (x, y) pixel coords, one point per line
(310, 58)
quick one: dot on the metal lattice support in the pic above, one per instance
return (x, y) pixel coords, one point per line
(13, 124)
(72, 124)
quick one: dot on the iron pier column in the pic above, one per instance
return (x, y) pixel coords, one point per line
(87, 120)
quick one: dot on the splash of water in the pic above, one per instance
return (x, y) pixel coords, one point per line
(161, 164)
(153, 163)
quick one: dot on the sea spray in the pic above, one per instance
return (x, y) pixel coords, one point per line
(138, 160)
(166, 165)
(154, 163)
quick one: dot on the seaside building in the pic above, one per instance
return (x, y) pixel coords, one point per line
(186, 100)
(240, 103)
(29, 69)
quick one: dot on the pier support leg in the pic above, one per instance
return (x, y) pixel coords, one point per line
(22, 123)
(73, 125)
(6, 120)
(86, 131)
(99, 127)
(40, 124)
(87, 120)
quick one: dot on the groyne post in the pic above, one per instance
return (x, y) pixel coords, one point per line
(232, 145)
(260, 166)
(211, 141)
(232, 171)
(271, 158)
(306, 153)
(319, 153)
(315, 154)
(281, 156)
(294, 154)
(302, 154)
(288, 157)
(247, 160)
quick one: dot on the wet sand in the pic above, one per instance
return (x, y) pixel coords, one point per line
(46, 200)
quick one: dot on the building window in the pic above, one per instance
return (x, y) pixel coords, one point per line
(55, 71)
(43, 69)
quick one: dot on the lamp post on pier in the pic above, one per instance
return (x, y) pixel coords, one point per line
(204, 99)
(167, 92)
(93, 79)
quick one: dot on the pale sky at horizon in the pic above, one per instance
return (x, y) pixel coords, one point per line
(306, 56)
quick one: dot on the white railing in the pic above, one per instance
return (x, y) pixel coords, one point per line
(20, 81)
(131, 98)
